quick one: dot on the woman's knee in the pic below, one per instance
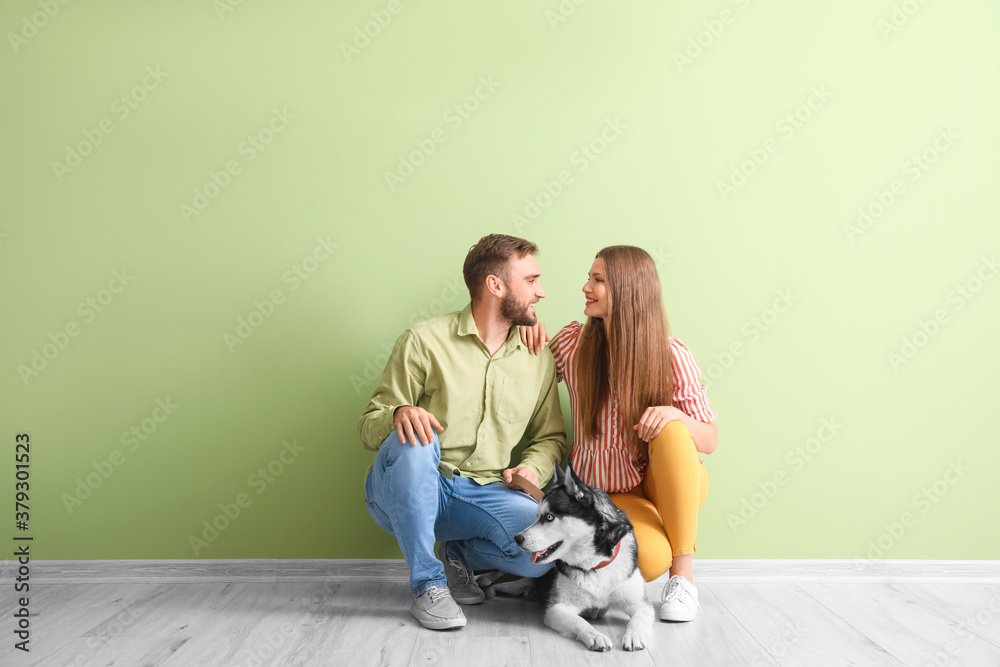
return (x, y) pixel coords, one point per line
(673, 431)
(654, 551)
(674, 439)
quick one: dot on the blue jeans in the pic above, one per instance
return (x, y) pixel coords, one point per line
(408, 497)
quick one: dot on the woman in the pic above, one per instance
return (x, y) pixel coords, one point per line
(640, 415)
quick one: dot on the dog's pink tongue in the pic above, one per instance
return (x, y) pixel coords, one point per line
(534, 555)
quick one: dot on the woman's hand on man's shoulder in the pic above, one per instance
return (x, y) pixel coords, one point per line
(534, 337)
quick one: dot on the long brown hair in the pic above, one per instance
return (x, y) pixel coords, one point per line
(628, 352)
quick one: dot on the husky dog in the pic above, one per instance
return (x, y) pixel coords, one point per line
(593, 545)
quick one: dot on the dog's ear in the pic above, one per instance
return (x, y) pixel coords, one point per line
(616, 524)
(615, 533)
(574, 485)
(557, 475)
(606, 507)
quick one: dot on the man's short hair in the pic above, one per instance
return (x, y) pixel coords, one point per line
(490, 257)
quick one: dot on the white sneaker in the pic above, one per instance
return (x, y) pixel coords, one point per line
(680, 600)
(436, 610)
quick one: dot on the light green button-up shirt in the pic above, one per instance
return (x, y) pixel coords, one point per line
(485, 404)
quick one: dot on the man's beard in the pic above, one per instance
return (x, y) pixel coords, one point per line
(516, 312)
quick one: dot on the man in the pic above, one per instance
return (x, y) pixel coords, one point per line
(457, 395)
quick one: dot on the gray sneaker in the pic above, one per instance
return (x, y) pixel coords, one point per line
(436, 610)
(461, 582)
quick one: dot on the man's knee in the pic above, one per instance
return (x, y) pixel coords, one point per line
(393, 453)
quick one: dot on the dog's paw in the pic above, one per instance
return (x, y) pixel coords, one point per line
(633, 641)
(596, 641)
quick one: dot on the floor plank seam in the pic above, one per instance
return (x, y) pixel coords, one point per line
(750, 634)
(963, 623)
(854, 627)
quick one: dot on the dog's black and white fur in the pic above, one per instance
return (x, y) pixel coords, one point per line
(579, 527)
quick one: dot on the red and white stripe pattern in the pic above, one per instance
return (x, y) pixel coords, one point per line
(607, 462)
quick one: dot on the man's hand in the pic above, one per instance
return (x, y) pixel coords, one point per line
(654, 419)
(508, 476)
(534, 337)
(410, 419)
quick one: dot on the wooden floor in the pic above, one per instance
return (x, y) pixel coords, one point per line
(143, 617)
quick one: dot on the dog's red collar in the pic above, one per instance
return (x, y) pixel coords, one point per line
(618, 547)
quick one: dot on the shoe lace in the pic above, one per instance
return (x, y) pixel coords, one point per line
(676, 591)
(466, 576)
(435, 593)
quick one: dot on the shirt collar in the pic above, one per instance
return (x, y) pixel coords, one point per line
(467, 327)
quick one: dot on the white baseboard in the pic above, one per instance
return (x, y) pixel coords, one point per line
(332, 570)
(847, 570)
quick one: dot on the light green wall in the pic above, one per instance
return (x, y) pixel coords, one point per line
(881, 93)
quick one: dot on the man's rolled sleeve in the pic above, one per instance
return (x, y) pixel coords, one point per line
(402, 383)
(546, 432)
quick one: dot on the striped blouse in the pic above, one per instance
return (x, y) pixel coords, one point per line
(607, 462)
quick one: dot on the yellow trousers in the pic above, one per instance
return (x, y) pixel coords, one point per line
(664, 508)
